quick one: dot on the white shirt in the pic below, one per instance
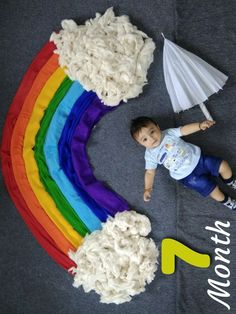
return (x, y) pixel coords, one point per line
(178, 156)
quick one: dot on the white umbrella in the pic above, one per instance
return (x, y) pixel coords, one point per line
(189, 79)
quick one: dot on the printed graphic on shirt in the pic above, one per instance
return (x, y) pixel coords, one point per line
(172, 154)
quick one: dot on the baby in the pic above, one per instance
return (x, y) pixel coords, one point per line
(184, 161)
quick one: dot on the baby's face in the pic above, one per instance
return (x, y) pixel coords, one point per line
(149, 136)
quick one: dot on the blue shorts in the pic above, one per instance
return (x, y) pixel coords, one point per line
(202, 178)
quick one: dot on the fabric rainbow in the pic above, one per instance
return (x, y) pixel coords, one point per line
(44, 159)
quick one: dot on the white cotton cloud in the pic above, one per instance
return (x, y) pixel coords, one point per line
(108, 55)
(118, 260)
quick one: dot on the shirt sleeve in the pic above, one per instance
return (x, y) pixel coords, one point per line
(150, 162)
(174, 131)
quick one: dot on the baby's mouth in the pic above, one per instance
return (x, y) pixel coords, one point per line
(155, 143)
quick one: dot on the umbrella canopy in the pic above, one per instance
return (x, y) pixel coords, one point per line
(189, 79)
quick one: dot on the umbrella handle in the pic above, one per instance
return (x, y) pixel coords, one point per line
(205, 111)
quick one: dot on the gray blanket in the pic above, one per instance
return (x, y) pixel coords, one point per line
(30, 280)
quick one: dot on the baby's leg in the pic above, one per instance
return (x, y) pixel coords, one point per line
(219, 196)
(227, 175)
(225, 170)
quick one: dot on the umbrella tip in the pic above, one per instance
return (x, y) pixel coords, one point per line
(162, 35)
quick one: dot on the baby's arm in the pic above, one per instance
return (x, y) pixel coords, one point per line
(195, 127)
(148, 183)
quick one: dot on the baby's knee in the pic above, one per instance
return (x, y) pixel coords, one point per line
(224, 165)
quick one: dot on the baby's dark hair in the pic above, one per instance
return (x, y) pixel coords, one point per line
(138, 123)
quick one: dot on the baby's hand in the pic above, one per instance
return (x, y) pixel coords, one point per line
(147, 195)
(206, 124)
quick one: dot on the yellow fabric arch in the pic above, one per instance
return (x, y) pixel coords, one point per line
(33, 126)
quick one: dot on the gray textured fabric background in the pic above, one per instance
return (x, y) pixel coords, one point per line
(31, 283)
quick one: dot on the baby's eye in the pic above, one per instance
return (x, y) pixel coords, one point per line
(152, 131)
(144, 140)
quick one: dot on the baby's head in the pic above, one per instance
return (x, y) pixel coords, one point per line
(146, 132)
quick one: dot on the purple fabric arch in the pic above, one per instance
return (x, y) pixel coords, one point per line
(103, 196)
(64, 151)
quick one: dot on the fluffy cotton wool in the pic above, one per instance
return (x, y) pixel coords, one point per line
(108, 55)
(118, 260)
